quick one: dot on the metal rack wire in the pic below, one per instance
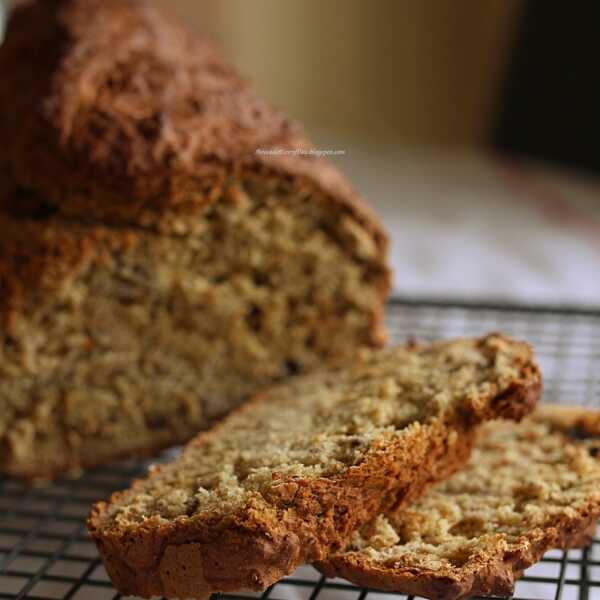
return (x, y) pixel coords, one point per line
(45, 553)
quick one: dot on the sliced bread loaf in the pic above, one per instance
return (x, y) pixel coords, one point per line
(287, 478)
(527, 489)
(155, 269)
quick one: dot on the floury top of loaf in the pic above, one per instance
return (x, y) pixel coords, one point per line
(154, 268)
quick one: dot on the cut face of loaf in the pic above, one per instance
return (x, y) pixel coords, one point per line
(120, 340)
(289, 477)
(155, 266)
(527, 489)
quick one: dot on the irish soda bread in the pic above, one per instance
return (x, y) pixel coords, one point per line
(155, 270)
(287, 478)
(526, 489)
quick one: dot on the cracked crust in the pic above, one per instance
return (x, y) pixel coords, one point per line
(126, 117)
(484, 555)
(298, 519)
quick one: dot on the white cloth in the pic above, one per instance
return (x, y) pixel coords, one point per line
(477, 228)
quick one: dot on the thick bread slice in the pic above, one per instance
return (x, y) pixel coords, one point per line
(528, 488)
(155, 269)
(289, 477)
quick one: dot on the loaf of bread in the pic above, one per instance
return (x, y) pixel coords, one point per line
(155, 269)
(289, 477)
(527, 489)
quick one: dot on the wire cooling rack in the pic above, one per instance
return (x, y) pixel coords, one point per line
(45, 553)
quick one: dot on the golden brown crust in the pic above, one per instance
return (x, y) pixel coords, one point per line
(134, 118)
(491, 578)
(486, 573)
(297, 521)
(253, 550)
(124, 95)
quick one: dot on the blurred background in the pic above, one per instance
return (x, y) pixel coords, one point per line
(423, 72)
(472, 127)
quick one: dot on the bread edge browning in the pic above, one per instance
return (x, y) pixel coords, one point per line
(497, 577)
(257, 546)
(252, 550)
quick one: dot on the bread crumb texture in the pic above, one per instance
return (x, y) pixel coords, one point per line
(527, 488)
(147, 338)
(318, 426)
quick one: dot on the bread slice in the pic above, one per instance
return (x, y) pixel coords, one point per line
(155, 270)
(527, 489)
(287, 478)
